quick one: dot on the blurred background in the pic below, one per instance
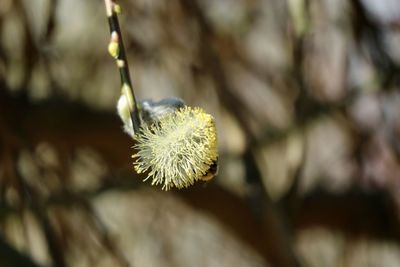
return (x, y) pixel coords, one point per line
(306, 98)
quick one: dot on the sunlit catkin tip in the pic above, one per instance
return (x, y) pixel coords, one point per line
(177, 150)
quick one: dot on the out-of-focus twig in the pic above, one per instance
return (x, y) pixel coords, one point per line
(369, 35)
(10, 257)
(271, 219)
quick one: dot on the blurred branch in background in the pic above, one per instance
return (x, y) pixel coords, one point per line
(11, 257)
(306, 98)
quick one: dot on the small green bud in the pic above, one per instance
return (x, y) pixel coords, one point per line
(113, 49)
(117, 9)
(120, 63)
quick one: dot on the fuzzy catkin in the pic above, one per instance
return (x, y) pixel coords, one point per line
(178, 149)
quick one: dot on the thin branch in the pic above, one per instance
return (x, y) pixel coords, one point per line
(117, 50)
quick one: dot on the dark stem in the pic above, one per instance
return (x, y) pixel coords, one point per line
(121, 57)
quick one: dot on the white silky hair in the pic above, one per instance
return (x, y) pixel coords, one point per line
(125, 115)
(149, 111)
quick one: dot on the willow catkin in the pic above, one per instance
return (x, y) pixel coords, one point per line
(178, 149)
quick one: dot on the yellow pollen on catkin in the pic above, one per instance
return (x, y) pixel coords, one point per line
(178, 149)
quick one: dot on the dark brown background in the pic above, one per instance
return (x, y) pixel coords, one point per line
(306, 99)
